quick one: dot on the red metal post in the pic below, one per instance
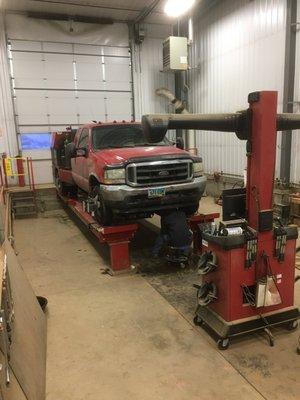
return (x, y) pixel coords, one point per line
(262, 155)
(28, 172)
(119, 256)
(32, 176)
(20, 170)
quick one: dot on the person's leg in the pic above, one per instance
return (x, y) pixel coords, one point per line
(159, 242)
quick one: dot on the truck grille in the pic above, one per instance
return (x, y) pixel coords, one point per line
(159, 172)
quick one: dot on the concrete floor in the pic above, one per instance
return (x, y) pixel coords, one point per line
(119, 338)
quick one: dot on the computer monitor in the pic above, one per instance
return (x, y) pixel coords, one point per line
(234, 204)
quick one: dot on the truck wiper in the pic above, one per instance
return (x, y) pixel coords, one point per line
(116, 147)
(148, 144)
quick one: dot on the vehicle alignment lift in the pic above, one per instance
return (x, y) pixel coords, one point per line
(118, 237)
(247, 265)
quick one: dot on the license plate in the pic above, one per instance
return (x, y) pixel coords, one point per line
(157, 192)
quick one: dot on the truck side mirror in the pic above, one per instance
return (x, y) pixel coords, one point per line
(70, 150)
(180, 143)
(81, 152)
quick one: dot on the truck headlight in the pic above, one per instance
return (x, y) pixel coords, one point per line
(198, 168)
(116, 175)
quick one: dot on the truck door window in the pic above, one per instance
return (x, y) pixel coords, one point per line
(84, 139)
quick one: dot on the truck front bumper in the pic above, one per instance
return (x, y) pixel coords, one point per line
(130, 200)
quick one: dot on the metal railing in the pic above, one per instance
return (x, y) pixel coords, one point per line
(17, 167)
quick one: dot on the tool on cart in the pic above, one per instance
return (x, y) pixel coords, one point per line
(248, 261)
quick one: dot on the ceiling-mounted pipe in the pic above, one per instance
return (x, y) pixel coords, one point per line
(181, 109)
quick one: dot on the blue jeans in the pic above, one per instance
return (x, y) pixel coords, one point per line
(160, 241)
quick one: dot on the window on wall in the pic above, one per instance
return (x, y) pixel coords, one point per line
(36, 141)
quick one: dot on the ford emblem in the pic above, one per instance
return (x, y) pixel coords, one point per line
(163, 173)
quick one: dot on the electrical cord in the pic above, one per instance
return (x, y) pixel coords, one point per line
(296, 265)
(248, 295)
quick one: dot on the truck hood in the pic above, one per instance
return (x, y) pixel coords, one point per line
(122, 155)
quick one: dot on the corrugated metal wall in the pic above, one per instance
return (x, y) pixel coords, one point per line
(238, 48)
(295, 156)
(148, 75)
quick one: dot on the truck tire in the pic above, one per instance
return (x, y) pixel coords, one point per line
(65, 189)
(60, 186)
(103, 213)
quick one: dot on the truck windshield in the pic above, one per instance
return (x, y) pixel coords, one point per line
(121, 136)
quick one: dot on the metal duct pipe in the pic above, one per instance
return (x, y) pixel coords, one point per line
(180, 108)
(155, 126)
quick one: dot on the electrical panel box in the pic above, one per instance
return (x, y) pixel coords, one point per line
(175, 52)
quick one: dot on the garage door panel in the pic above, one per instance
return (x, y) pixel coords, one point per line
(117, 61)
(119, 106)
(101, 50)
(28, 70)
(87, 49)
(91, 106)
(117, 86)
(62, 107)
(116, 51)
(21, 57)
(117, 73)
(25, 45)
(31, 109)
(38, 154)
(58, 47)
(89, 73)
(59, 71)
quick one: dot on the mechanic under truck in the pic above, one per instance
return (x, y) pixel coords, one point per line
(122, 175)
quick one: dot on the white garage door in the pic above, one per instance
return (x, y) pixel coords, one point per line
(61, 84)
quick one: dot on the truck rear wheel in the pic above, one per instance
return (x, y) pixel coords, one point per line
(60, 186)
(103, 213)
(65, 189)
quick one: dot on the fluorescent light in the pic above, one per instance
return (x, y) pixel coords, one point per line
(175, 8)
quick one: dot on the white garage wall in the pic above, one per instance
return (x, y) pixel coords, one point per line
(238, 48)
(295, 156)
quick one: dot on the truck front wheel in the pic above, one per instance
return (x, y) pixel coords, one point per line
(103, 213)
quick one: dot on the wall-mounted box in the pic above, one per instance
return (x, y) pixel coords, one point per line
(175, 54)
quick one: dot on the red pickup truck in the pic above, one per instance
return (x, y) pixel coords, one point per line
(123, 175)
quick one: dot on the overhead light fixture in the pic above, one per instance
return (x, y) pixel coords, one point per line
(176, 8)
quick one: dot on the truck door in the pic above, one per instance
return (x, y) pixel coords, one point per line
(79, 163)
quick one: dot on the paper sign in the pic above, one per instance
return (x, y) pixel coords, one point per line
(8, 167)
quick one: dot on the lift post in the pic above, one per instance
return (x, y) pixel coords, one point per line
(117, 237)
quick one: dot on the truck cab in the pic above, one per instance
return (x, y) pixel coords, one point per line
(126, 177)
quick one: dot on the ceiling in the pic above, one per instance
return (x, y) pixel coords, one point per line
(118, 10)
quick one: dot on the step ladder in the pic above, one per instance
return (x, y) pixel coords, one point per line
(23, 203)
